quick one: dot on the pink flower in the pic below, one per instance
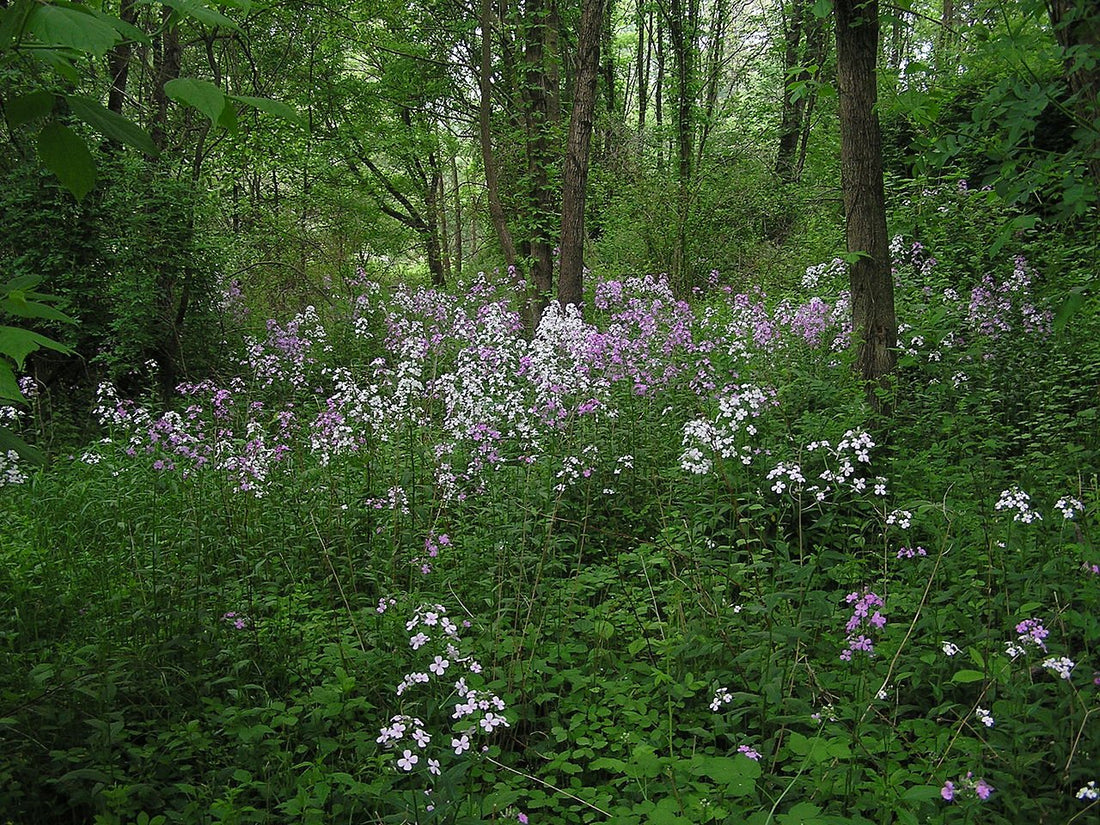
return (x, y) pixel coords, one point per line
(948, 790)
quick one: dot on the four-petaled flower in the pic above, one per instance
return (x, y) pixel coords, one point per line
(407, 761)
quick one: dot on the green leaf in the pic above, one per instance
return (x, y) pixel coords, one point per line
(68, 158)
(28, 107)
(199, 94)
(272, 107)
(111, 124)
(822, 9)
(10, 441)
(197, 11)
(27, 305)
(69, 27)
(1070, 306)
(921, 793)
(17, 343)
(9, 387)
(13, 21)
(963, 677)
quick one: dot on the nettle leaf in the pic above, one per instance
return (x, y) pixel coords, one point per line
(65, 154)
(199, 94)
(9, 386)
(111, 124)
(272, 107)
(28, 107)
(70, 27)
(17, 343)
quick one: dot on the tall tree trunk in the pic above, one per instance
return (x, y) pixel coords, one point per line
(435, 235)
(790, 126)
(166, 67)
(118, 60)
(1077, 28)
(570, 278)
(492, 178)
(536, 96)
(458, 215)
(874, 324)
(642, 58)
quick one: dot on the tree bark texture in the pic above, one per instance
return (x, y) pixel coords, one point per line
(577, 151)
(1076, 25)
(874, 324)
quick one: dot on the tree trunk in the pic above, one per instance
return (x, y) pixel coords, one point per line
(536, 96)
(872, 287)
(118, 60)
(570, 278)
(492, 179)
(1077, 28)
(790, 126)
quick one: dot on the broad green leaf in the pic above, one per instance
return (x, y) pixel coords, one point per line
(9, 387)
(13, 21)
(30, 305)
(965, 676)
(17, 343)
(111, 124)
(10, 441)
(28, 107)
(200, 94)
(68, 158)
(1073, 302)
(822, 9)
(272, 107)
(921, 793)
(197, 11)
(69, 27)
(228, 119)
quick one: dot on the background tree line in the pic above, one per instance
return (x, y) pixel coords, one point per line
(275, 146)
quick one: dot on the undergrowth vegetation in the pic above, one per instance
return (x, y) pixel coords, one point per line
(656, 565)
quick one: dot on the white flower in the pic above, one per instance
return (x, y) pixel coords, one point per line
(984, 716)
(407, 760)
(461, 744)
(1089, 791)
(950, 649)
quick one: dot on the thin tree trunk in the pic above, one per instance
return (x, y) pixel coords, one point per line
(118, 60)
(570, 278)
(458, 216)
(492, 179)
(874, 324)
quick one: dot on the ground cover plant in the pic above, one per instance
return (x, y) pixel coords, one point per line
(659, 564)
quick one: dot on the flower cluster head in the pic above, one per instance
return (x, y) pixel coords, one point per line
(865, 618)
(239, 621)
(1069, 507)
(1089, 791)
(902, 518)
(1060, 665)
(950, 649)
(750, 752)
(967, 785)
(10, 471)
(911, 552)
(984, 716)
(721, 697)
(474, 711)
(1031, 633)
(1015, 499)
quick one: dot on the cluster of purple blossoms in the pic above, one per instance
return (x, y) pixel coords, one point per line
(865, 616)
(911, 552)
(952, 791)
